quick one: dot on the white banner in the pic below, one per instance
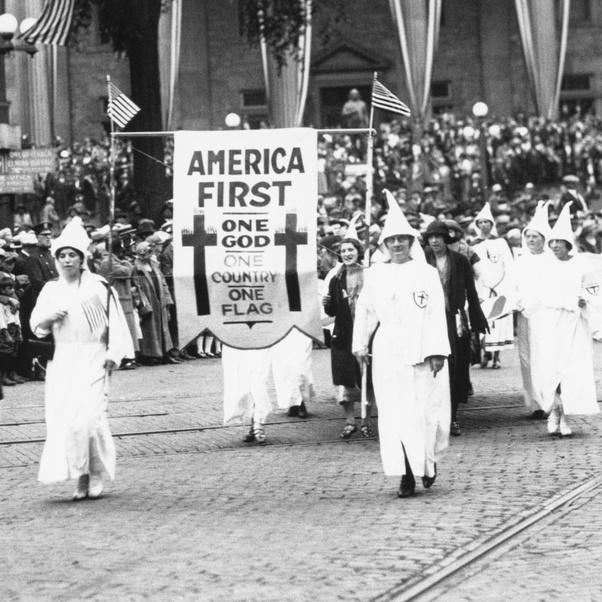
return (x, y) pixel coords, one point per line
(245, 235)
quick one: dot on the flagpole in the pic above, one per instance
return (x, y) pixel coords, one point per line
(369, 193)
(111, 209)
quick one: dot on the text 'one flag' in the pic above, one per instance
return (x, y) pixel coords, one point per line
(383, 98)
(121, 109)
(54, 24)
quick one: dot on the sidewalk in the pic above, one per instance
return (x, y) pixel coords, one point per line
(199, 515)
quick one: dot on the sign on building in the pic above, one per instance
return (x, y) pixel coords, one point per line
(19, 168)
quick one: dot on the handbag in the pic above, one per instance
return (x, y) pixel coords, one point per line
(42, 348)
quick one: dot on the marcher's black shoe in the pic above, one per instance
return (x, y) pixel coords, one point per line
(454, 429)
(293, 411)
(427, 482)
(407, 486)
(250, 436)
(302, 410)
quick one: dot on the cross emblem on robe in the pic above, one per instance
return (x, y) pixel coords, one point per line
(199, 238)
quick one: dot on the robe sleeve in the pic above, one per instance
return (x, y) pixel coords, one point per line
(44, 308)
(435, 340)
(366, 321)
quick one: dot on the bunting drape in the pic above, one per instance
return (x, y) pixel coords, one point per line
(417, 23)
(286, 85)
(544, 47)
(170, 36)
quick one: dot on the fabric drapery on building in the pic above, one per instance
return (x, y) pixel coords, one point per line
(417, 24)
(170, 36)
(286, 85)
(544, 49)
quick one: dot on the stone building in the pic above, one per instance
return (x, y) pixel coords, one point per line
(479, 58)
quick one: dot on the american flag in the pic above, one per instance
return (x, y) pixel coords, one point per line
(96, 314)
(53, 25)
(383, 98)
(121, 109)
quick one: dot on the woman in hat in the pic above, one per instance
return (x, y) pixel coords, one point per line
(340, 302)
(402, 306)
(561, 326)
(90, 336)
(457, 279)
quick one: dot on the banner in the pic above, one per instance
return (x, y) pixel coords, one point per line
(245, 235)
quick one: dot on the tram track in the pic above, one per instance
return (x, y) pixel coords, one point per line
(501, 541)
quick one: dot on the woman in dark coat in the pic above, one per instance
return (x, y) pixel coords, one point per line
(343, 291)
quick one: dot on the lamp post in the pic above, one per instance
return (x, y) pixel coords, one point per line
(480, 110)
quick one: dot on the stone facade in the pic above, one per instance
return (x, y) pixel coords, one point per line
(479, 58)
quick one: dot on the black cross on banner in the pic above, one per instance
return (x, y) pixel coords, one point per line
(289, 239)
(199, 238)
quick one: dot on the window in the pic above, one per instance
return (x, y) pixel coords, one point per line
(580, 11)
(441, 96)
(254, 108)
(576, 94)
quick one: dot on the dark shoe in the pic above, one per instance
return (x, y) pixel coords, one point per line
(470, 390)
(293, 411)
(496, 365)
(7, 382)
(184, 355)
(406, 487)
(250, 436)
(427, 482)
(454, 430)
(538, 415)
(366, 432)
(302, 410)
(128, 365)
(347, 431)
(169, 359)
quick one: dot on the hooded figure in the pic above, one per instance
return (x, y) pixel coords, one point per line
(530, 269)
(401, 312)
(91, 338)
(562, 369)
(495, 281)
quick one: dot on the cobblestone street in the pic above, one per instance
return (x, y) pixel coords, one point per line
(196, 514)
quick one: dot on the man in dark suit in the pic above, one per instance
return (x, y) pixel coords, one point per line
(47, 267)
(458, 283)
(570, 194)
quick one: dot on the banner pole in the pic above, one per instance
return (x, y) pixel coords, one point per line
(111, 210)
(369, 194)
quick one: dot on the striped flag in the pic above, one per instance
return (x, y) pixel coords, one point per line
(121, 109)
(53, 25)
(96, 314)
(385, 99)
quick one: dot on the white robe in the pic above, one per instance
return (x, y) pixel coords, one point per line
(292, 370)
(530, 269)
(406, 302)
(495, 277)
(561, 340)
(246, 374)
(78, 438)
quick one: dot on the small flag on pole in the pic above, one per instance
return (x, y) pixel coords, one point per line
(385, 99)
(121, 109)
(53, 25)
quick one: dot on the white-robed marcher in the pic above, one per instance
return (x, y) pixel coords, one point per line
(403, 306)
(494, 278)
(246, 397)
(562, 368)
(91, 339)
(292, 360)
(530, 268)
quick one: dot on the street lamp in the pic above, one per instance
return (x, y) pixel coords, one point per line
(480, 110)
(8, 28)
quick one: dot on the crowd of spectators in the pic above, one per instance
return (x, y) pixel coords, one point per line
(438, 171)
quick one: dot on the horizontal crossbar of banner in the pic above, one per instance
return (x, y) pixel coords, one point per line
(326, 131)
